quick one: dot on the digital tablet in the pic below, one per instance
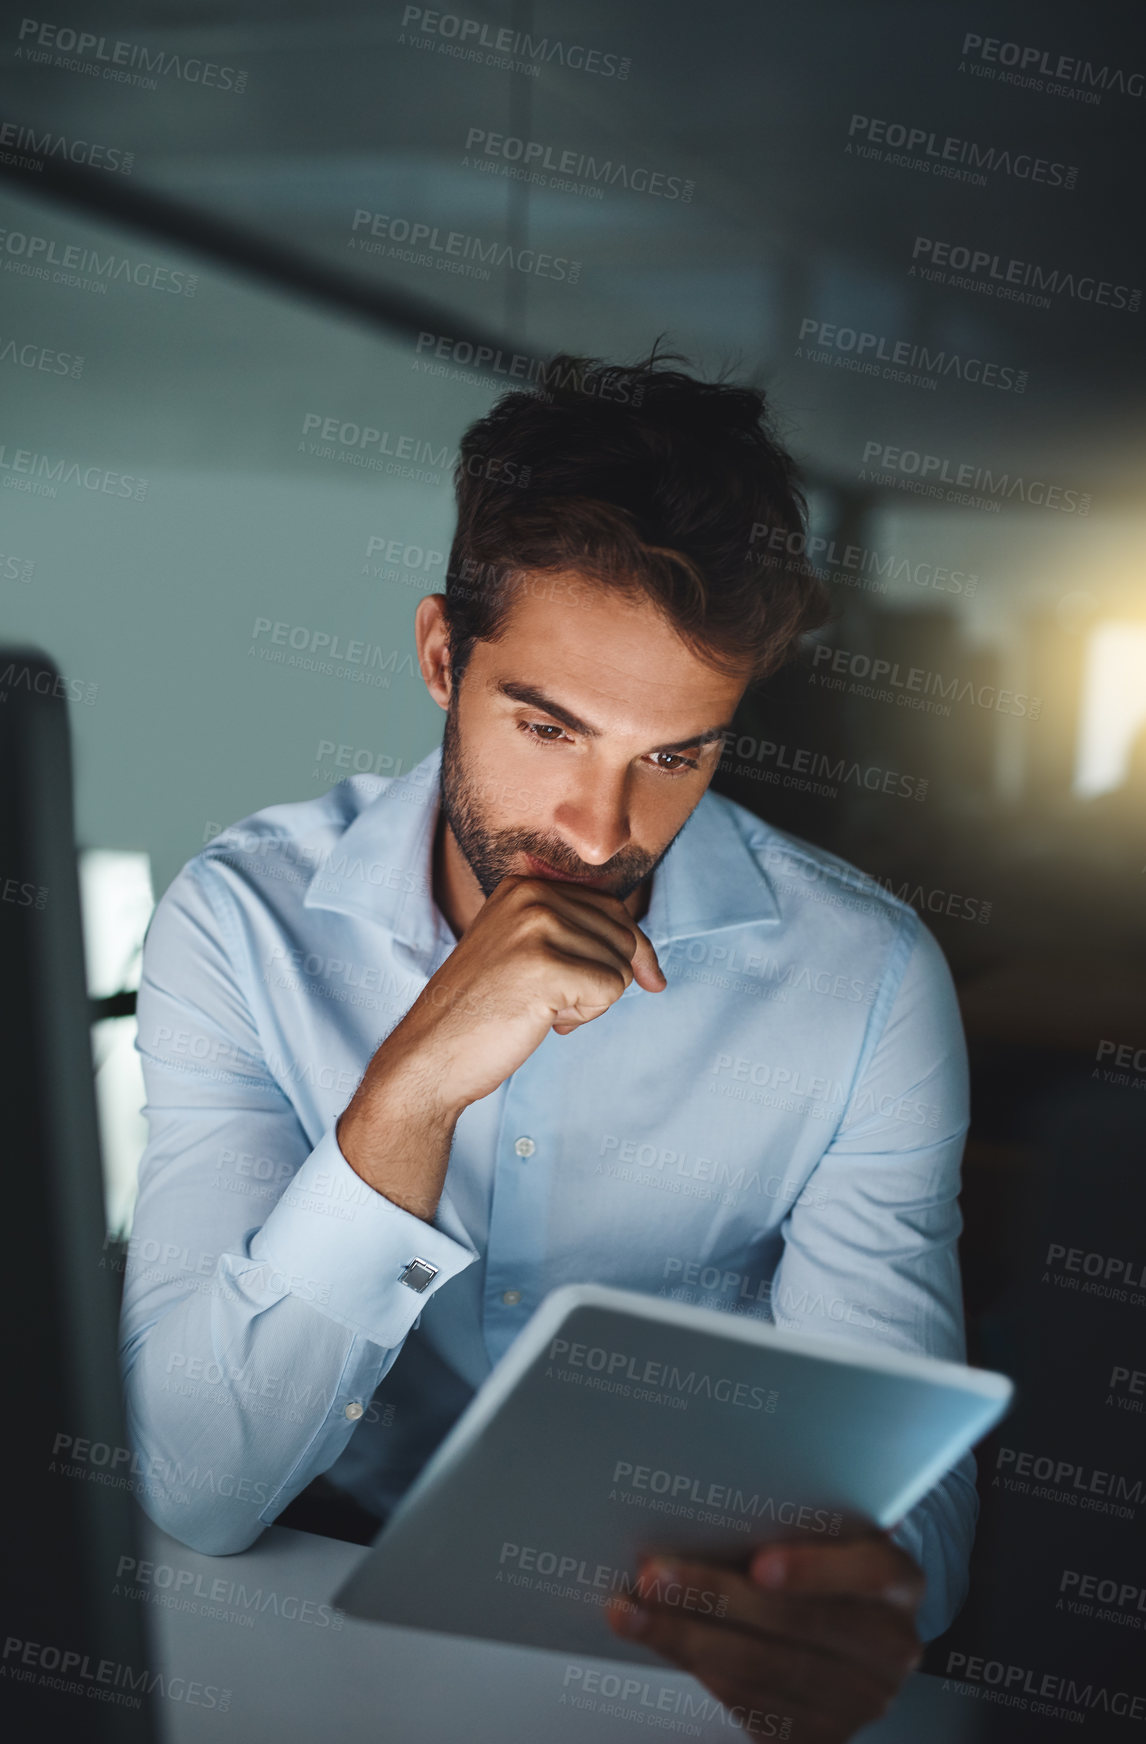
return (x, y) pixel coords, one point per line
(619, 1424)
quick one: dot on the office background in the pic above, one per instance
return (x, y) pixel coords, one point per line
(222, 498)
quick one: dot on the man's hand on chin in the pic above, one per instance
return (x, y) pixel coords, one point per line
(823, 1634)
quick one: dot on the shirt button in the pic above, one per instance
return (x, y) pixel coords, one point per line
(353, 1410)
(525, 1147)
(511, 1298)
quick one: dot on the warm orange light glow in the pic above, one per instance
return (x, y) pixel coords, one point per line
(1113, 711)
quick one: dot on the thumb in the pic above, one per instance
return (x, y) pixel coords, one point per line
(646, 969)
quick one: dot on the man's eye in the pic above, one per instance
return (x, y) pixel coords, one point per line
(541, 730)
(675, 762)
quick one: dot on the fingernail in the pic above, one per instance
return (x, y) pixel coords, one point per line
(769, 1570)
(661, 1571)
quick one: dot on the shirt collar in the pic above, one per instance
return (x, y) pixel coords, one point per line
(381, 869)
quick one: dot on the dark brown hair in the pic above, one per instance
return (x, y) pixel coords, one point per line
(640, 478)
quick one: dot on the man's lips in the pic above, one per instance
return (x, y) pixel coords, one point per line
(541, 870)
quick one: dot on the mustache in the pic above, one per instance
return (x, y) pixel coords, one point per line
(626, 864)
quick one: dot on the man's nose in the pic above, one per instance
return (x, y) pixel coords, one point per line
(593, 818)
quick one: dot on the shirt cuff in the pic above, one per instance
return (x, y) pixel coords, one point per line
(350, 1246)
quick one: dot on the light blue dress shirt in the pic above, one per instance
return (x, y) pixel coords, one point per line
(777, 1133)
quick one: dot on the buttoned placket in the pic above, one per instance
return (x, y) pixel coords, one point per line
(519, 1233)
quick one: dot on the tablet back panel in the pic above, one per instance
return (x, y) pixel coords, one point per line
(625, 1434)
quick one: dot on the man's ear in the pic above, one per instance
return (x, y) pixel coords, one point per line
(431, 632)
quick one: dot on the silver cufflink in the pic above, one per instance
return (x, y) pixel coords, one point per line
(418, 1275)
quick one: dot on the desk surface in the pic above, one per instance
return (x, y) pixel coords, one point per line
(261, 1626)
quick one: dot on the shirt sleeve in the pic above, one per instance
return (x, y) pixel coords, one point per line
(262, 1298)
(872, 1240)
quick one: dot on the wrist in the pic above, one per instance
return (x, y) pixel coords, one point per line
(396, 1133)
(406, 1082)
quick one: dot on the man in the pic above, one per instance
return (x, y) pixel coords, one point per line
(544, 1010)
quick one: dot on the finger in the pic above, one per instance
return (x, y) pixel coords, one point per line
(641, 954)
(869, 1567)
(646, 965)
(777, 1671)
(873, 1632)
(584, 975)
(605, 919)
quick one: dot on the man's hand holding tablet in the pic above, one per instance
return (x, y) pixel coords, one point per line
(823, 1634)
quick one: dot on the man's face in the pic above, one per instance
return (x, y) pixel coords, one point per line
(577, 745)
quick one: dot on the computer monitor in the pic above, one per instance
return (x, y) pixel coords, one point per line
(74, 1658)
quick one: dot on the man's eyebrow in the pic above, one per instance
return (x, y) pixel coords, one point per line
(698, 739)
(534, 698)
